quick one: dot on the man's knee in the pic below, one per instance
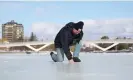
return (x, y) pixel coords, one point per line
(60, 60)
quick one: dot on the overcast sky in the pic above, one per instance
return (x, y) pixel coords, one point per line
(45, 18)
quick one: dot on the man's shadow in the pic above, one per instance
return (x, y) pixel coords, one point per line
(68, 71)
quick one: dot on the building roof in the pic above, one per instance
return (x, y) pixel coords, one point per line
(12, 22)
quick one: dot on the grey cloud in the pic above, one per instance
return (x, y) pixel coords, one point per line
(93, 29)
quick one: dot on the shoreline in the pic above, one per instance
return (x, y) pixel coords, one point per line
(30, 52)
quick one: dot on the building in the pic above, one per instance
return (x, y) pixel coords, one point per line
(12, 31)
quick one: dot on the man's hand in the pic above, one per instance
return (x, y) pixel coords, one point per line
(71, 61)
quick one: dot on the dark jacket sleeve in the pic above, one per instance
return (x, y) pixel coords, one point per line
(65, 45)
(79, 37)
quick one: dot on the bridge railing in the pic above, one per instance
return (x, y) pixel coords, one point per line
(89, 41)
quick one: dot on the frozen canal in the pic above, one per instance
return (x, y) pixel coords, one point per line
(95, 66)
